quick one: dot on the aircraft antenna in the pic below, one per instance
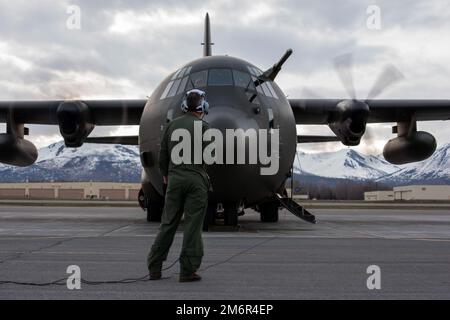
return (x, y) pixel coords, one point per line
(207, 44)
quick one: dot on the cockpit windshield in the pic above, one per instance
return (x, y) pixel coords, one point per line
(183, 80)
(243, 80)
(198, 79)
(220, 77)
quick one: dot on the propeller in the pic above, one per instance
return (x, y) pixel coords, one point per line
(388, 77)
(343, 65)
(350, 119)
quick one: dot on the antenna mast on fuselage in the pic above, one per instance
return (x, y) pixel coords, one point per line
(207, 44)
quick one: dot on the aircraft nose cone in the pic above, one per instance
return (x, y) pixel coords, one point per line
(230, 180)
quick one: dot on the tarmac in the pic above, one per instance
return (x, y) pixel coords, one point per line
(290, 259)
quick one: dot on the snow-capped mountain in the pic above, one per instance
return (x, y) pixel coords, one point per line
(349, 164)
(96, 162)
(436, 169)
(91, 162)
(343, 164)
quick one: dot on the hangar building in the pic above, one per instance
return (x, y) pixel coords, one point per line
(408, 193)
(70, 190)
(422, 193)
(379, 196)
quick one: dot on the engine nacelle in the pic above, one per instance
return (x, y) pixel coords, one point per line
(75, 122)
(17, 151)
(414, 147)
(349, 122)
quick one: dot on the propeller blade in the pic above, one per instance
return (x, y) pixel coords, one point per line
(343, 65)
(307, 93)
(387, 78)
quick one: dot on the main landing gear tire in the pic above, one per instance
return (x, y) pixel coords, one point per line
(154, 212)
(153, 204)
(269, 211)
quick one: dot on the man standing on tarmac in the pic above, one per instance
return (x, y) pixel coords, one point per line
(187, 192)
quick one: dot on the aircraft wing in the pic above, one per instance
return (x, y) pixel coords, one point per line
(76, 120)
(348, 120)
(102, 112)
(326, 111)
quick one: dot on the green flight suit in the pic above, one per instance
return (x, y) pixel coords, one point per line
(187, 192)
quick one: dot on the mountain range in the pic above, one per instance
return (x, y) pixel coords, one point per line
(97, 162)
(91, 162)
(351, 165)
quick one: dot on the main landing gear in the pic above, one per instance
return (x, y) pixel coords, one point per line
(153, 205)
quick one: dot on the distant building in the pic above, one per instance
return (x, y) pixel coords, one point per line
(431, 192)
(70, 190)
(297, 195)
(379, 196)
(408, 193)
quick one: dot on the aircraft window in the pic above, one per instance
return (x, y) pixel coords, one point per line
(188, 70)
(253, 98)
(266, 89)
(175, 75)
(174, 88)
(185, 72)
(181, 73)
(182, 85)
(251, 70)
(258, 88)
(199, 79)
(166, 90)
(242, 79)
(189, 85)
(272, 90)
(220, 77)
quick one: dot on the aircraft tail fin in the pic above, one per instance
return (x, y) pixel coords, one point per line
(207, 44)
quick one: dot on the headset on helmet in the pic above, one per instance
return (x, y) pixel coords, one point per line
(204, 105)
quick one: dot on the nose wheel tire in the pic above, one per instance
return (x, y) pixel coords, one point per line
(269, 211)
(210, 216)
(231, 215)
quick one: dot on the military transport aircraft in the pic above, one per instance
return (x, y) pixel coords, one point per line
(240, 96)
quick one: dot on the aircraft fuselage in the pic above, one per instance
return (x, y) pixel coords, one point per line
(229, 93)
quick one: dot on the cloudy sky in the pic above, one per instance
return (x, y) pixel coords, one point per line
(125, 48)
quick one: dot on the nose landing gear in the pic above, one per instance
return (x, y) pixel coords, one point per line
(269, 211)
(229, 212)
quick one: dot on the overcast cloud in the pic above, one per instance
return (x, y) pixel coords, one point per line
(125, 48)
